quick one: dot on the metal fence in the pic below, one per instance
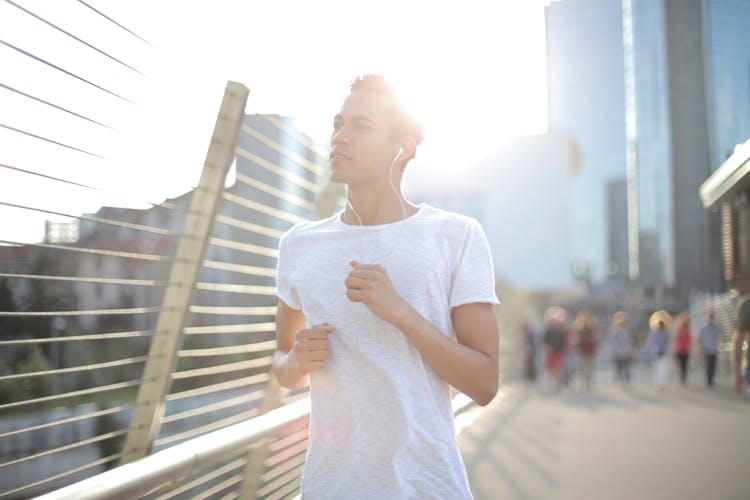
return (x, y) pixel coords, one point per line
(129, 331)
(175, 302)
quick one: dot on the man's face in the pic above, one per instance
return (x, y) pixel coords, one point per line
(362, 145)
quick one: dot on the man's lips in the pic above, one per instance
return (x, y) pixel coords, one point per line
(338, 155)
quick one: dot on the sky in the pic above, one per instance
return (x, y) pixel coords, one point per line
(473, 71)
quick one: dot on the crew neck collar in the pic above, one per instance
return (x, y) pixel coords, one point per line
(339, 218)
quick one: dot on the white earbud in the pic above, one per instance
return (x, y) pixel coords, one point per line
(400, 152)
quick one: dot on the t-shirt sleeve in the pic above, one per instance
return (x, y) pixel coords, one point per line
(285, 289)
(473, 278)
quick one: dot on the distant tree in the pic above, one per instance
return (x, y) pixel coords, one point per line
(32, 360)
(45, 296)
(9, 326)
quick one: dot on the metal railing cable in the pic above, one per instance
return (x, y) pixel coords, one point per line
(207, 428)
(237, 288)
(99, 220)
(62, 70)
(63, 475)
(226, 403)
(71, 394)
(75, 369)
(89, 312)
(66, 447)
(269, 345)
(52, 105)
(226, 368)
(76, 338)
(296, 158)
(114, 22)
(278, 193)
(120, 195)
(244, 247)
(51, 141)
(241, 328)
(320, 152)
(96, 251)
(81, 279)
(240, 268)
(70, 35)
(63, 421)
(310, 186)
(262, 208)
(249, 226)
(218, 387)
(233, 465)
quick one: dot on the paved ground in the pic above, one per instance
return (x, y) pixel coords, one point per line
(640, 443)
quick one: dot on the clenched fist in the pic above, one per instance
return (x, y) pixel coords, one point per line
(311, 349)
(371, 285)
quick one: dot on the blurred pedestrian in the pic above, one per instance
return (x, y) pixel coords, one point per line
(570, 366)
(741, 332)
(622, 347)
(658, 343)
(587, 333)
(709, 335)
(529, 345)
(556, 342)
(683, 340)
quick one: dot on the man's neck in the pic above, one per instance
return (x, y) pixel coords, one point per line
(375, 207)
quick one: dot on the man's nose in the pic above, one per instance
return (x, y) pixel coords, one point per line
(340, 137)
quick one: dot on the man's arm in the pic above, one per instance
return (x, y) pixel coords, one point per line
(739, 340)
(469, 363)
(299, 351)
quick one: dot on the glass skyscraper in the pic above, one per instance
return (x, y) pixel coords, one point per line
(657, 91)
(653, 161)
(727, 55)
(586, 101)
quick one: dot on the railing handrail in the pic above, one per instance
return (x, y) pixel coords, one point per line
(176, 462)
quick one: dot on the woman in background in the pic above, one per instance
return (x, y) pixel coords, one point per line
(587, 332)
(683, 339)
(622, 347)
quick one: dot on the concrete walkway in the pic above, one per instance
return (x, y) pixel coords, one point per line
(638, 443)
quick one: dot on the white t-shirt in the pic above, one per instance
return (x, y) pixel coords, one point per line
(381, 423)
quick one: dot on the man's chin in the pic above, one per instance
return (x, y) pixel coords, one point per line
(337, 176)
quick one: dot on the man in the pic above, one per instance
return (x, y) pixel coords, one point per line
(742, 327)
(709, 334)
(381, 308)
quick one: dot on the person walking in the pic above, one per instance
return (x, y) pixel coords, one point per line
(587, 333)
(683, 340)
(709, 337)
(556, 342)
(623, 349)
(658, 343)
(741, 334)
(529, 350)
(381, 309)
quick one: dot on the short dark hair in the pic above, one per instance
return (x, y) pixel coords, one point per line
(404, 122)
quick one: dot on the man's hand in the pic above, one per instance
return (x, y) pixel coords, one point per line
(310, 349)
(371, 285)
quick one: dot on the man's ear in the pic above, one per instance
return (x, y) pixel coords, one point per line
(408, 149)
